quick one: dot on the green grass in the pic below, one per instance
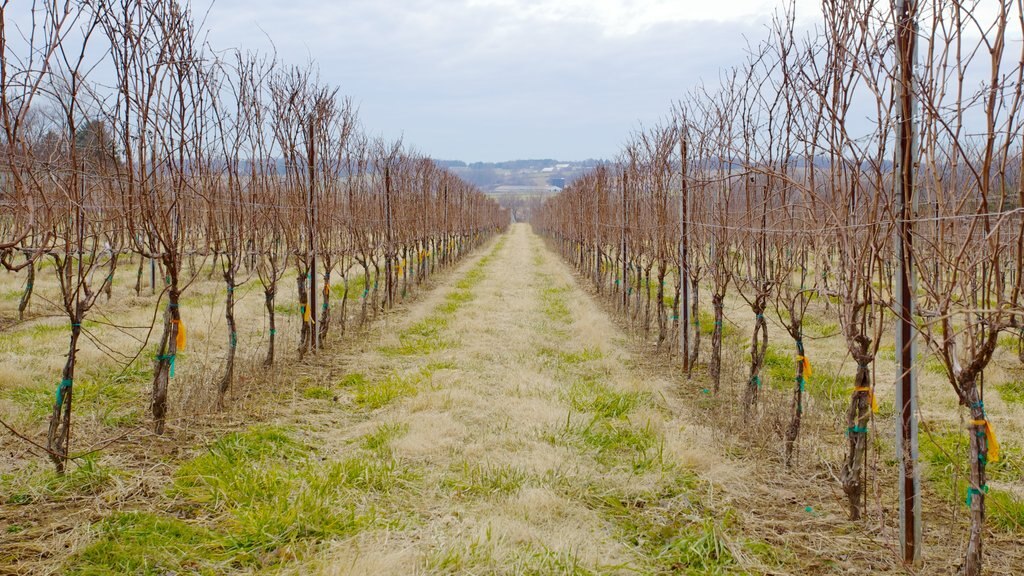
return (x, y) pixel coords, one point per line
(1011, 392)
(461, 557)
(150, 544)
(666, 525)
(252, 494)
(707, 325)
(474, 479)
(379, 441)
(353, 379)
(286, 309)
(554, 304)
(36, 400)
(108, 395)
(372, 395)
(613, 442)
(569, 363)
(592, 396)
(819, 327)
(318, 393)
(422, 338)
(356, 285)
(539, 560)
(779, 368)
(37, 482)
(934, 366)
(945, 451)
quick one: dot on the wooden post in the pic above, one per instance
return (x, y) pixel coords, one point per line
(684, 264)
(906, 386)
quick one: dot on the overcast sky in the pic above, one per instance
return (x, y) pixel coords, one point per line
(504, 79)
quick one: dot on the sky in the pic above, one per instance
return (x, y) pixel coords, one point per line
(491, 80)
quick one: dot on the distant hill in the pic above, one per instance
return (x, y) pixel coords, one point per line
(531, 176)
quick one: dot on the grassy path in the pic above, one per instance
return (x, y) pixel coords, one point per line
(526, 440)
(499, 426)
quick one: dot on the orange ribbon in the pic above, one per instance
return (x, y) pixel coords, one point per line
(180, 339)
(990, 435)
(871, 395)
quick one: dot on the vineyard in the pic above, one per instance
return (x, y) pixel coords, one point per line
(781, 333)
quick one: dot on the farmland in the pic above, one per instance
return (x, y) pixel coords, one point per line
(781, 332)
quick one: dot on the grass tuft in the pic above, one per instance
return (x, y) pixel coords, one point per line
(592, 396)
(373, 395)
(318, 393)
(484, 479)
(379, 441)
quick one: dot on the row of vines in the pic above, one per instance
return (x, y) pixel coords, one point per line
(778, 185)
(130, 145)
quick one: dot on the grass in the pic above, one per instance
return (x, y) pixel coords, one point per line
(108, 394)
(379, 441)
(373, 395)
(353, 379)
(945, 451)
(474, 479)
(666, 525)
(1011, 392)
(779, 367)
(421, 339)
(145, 543)
(318, 393)
(470, 557)
(592, 396)
(255, 498)
(830, 388)
(819, 326)
(612, 442)
(39, 483)
(538, 560)
(554, 304)
(569, 363)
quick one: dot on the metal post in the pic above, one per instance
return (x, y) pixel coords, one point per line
(906, 386)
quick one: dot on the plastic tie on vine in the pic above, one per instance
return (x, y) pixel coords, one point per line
(64, 384)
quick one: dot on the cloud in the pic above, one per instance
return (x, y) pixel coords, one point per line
(499, 79)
